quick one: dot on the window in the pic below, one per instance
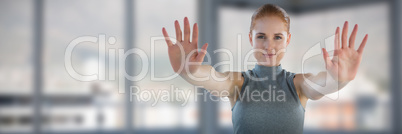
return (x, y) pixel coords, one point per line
(150, 17)
(16, 66)
(71, 104)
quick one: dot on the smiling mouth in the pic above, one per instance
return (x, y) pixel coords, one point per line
(268, 55)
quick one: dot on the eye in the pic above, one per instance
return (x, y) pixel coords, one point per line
(278, 37)
(260, 37)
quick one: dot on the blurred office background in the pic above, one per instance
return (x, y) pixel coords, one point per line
(37, 95)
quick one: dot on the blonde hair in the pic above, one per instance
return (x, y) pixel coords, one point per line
(270, 9)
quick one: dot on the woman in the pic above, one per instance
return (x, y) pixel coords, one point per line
(266, 99)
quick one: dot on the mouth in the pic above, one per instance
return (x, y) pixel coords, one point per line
(269, 55)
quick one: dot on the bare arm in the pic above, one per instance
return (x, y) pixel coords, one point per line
(316, 86)
(186, 60)
(340, 70)
(219, 84)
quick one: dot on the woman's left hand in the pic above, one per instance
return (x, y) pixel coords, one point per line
(345, 63)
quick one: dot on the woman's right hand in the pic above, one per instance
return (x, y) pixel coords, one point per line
(186, 60)
(184, 54)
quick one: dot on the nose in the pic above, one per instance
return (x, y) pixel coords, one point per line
(269, 45)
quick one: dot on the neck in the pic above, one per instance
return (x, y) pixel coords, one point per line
(260, 64)
(268, 71)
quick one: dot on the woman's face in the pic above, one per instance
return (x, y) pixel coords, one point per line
(269, 39)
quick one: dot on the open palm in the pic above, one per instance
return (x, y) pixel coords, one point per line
(345, 63)
(184, 53)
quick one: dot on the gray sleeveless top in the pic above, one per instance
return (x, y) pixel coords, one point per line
(268, 103)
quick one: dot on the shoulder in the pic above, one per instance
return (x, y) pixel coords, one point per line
(247, 74)
(299, 78)
(237, 79)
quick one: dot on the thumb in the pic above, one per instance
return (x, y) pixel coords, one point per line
(201, 55)
(326, 57)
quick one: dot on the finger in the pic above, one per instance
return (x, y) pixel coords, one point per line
(363, 44)
(353, 37)
(186, 30)
(337, 39)
(178, 31)
(195, 35)
(167, 38)
(345, 35)
(203, 52)
(326, 57)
